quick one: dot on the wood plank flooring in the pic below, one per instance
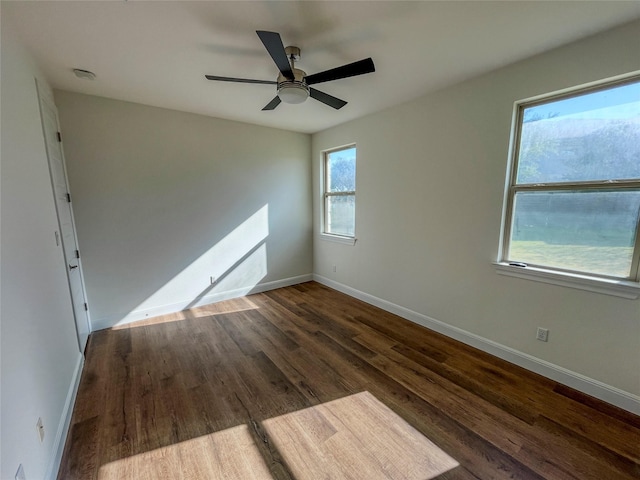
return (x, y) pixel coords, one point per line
(188, 395)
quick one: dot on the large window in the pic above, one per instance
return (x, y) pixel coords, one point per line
(573, 199)
(339, 191)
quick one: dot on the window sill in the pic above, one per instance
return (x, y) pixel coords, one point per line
(618, 288)
(338, 239)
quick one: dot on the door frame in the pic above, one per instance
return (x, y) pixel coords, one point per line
(46, 101)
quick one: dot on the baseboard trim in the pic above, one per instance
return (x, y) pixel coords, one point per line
(595, 388)
(143, 314)
(65, 421)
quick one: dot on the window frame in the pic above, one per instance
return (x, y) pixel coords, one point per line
(346, 239)
(627, 287)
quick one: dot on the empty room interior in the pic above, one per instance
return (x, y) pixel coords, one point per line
(311, 239)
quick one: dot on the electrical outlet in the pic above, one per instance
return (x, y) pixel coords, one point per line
(40, 428)
(543, 334)
(20, 474)
(334, 268)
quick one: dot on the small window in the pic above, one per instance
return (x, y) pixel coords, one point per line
(339, 191)
(573, 199)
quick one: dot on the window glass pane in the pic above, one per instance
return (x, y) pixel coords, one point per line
(583, 231)
(341, 215)
(341, 171)
(593, 136)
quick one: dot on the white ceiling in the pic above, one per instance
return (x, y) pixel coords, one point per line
(157, 52)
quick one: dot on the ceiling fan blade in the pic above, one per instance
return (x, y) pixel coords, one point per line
(273, 43)
(327, 99)
(240, 80)
(351, 70)
(273, 103)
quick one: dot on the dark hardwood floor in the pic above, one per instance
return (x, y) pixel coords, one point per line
(152, 391)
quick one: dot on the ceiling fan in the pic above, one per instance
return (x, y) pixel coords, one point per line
(292, 83)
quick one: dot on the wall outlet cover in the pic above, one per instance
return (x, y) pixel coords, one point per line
(543, 334)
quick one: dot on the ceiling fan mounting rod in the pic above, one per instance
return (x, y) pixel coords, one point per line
(293, 54)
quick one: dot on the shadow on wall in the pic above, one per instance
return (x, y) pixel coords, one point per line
(232, 267)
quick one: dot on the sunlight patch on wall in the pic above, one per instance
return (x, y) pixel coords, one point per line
(234, 265)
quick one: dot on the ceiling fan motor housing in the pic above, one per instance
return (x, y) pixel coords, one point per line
(293, 91)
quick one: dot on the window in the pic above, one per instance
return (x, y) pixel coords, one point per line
(339, 191)
(573, 199)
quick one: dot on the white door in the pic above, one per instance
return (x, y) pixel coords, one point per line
(49, 115)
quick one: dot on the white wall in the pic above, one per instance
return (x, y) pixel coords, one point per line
(430, 182)
(164, 200)
(39, 351)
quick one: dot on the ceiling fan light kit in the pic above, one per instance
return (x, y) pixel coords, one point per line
(292, 93)
(292, 85)
(296, 90)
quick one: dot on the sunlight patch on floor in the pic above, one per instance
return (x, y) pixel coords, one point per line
(355, 437)
(229, 454)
